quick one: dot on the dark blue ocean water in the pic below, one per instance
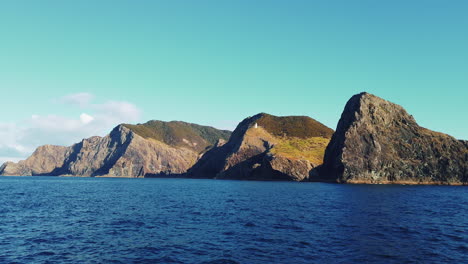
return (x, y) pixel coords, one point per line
(104, 220)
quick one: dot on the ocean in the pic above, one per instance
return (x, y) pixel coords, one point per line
(110, 220)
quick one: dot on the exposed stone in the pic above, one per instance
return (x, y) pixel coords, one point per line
(122, 153)
(14, 169)
(266, 147)
(377, 141)
(42, 162)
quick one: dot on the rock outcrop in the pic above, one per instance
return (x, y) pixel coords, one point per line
(144, 150)
(266, 147)
(43, 161)
(377, 141)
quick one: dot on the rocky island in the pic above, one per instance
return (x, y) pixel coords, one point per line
(377, 141)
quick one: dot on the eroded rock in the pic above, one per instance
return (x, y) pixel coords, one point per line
(266, 147)
(377, 141)
(123, 153)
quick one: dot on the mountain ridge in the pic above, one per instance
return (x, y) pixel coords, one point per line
(376, 141)
(264, 146)
(122, 153)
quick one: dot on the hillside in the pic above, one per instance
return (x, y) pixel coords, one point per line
(267, 147)
(143, 150)
(180, 134)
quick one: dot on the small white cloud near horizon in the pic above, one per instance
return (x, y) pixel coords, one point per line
(19, 139)
(121, 109)
(85, 118)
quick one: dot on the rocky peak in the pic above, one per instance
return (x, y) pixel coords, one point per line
(128, 150)
(377, 141)
(366, 106)
(267, 147)
(42, 162)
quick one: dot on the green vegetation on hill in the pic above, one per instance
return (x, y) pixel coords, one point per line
(293, 137)
(180, 134)
(294, 126)
(311, 149)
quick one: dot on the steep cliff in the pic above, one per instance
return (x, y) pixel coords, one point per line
(377, 141)
(127, 151)
(267, 147)
(42, 162)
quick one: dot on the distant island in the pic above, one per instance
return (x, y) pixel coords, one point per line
(376, 142)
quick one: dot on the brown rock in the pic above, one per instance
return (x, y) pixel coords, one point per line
(377, 141)
(123, 153)
(266, 147)
(42, 162)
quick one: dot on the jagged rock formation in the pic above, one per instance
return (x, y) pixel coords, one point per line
(266, 147)
(143, 150)
(377, 141)
(45, 159)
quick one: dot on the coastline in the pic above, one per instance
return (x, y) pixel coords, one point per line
(353, 182)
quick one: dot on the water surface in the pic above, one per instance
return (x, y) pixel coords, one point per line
(105, 220)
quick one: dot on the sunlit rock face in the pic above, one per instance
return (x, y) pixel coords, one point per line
(144, 150)
(267, 147)
(377, 141)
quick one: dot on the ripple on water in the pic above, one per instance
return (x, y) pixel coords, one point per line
(45, 253)
(187, 221)
(221, 261)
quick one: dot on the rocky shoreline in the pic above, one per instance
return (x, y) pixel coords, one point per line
(376, 142)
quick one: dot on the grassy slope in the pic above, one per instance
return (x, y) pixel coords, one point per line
(294, 126)
(173, 133)
(311, 149)
(297, 137)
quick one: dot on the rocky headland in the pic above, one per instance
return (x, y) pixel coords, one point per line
(144, 150)
(267, 147)
(377, 141)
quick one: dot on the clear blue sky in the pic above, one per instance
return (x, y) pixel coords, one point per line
(217, 62)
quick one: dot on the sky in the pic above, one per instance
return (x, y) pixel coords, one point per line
(74, 69)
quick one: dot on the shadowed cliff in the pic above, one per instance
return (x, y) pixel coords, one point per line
(377, 141)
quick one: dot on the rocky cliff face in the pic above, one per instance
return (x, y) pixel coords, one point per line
(43, 161)
(377, 141)
(123, 152)
(266, 147)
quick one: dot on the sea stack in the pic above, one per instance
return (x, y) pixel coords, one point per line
(377, 141)
(267, 147)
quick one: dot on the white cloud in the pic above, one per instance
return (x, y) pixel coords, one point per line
(19, 140)
(122, 110)
(80, 99)
(85, 118)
